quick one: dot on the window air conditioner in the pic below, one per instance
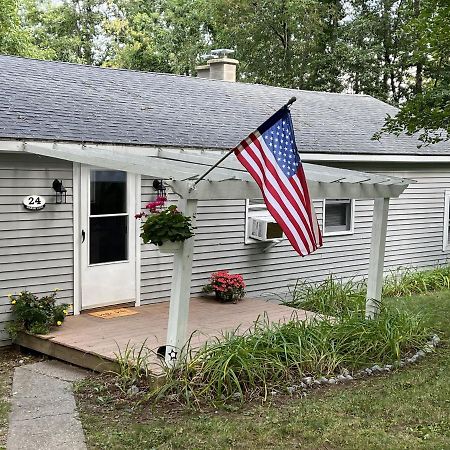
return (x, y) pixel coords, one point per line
(264, 229)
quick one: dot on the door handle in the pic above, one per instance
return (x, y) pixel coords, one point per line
(83, 236)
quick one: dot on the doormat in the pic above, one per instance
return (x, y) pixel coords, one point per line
(113, 313)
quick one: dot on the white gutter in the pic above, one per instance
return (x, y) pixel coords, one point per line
(17, 146)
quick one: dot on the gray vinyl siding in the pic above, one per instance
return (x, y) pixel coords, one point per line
(36, 247)
(414, 239)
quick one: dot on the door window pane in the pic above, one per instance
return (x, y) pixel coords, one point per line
(108, 192)
(108, 239)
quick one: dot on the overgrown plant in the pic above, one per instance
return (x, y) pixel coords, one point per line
(332, 297)
(35, 315)
(133, 365)
(407, 281)
(337, 297)
(242, 366)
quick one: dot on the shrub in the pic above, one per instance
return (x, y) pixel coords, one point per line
(35, 315)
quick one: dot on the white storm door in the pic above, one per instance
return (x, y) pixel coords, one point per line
(108, 235)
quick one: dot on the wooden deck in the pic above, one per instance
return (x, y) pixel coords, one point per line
(94, 342)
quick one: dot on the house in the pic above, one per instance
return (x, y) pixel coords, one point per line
(85, 241)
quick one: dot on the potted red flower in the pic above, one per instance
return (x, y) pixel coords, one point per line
(228, 287)
(167, 227)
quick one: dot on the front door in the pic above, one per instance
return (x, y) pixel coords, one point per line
(108, 230)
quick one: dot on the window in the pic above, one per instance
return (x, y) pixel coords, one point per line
(338, 216)
(446, 245)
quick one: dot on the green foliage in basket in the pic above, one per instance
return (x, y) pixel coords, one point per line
(166, 225)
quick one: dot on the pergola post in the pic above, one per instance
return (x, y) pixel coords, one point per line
(180, 291)
(376, 261)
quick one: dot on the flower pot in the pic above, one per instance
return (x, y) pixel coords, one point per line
(170, 247)
(225, 297)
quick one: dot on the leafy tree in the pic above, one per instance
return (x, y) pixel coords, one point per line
(15, 38)
(291, 43)
(163, 35)
(428, 111)
(70, 29)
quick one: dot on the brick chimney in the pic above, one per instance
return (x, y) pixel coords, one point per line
(220, 67)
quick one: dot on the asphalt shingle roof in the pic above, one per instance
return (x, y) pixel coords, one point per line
(68, 102)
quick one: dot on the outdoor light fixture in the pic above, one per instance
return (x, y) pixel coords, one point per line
(61, 191)
(159, 187)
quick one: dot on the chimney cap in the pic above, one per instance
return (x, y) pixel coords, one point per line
(221, 52)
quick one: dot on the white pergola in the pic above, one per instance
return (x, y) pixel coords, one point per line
(230, 181)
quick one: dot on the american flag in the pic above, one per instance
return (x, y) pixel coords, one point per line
(270, 155)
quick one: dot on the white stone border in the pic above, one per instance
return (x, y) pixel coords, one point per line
(310, 382)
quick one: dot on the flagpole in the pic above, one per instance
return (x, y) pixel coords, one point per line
(224, 157)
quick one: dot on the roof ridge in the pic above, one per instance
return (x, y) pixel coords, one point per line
(174, 75)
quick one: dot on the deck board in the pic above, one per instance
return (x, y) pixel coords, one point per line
(208, 318)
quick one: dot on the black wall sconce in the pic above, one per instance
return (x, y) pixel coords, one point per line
(61, 191)
(158, 186)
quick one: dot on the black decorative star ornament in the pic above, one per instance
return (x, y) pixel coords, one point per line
(173, 355)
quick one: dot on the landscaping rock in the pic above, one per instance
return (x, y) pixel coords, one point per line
(341, 377)
(420, 353)
(133, 390)
(291, 390)
(332, 381)
(435, 340)
(323, 380)
(375, 368)
(308, 380)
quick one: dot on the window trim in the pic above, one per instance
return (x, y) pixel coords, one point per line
(445, 240)
(352, 219)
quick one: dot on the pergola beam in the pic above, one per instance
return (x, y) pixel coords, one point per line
(238, 189)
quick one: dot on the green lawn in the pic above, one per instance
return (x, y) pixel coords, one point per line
(409, 409)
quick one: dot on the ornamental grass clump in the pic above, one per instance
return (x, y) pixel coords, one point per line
(35, 315)
(276, 355)
(407, 281)
(332, 297)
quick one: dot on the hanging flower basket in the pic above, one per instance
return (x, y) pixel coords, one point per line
(167, 228)
(170, 247)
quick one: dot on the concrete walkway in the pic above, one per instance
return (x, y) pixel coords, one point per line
(43, 412)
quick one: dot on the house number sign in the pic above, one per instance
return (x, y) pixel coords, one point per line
(34, 202)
